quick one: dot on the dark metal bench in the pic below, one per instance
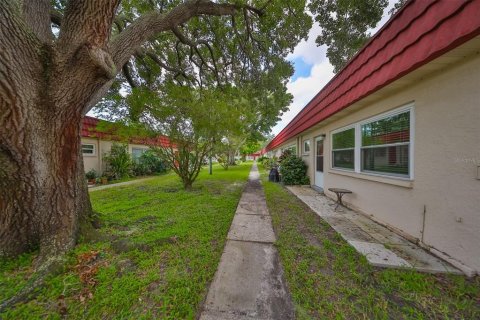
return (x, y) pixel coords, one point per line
(340, 193)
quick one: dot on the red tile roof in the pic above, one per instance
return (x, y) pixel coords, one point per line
(89, 130)
(420, 32)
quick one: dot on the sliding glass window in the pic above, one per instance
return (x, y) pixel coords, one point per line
(343, 149)
(385, 145)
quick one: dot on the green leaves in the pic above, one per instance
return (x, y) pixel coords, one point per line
(294, 170)
(345, 25)
(217, 50)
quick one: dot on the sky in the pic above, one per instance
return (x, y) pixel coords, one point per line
(312, 71)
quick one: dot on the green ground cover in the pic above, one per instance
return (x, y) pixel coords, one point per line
(328, 279)
(160, 251)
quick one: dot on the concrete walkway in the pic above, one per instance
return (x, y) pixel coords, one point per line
(249, 282)
(378, 244)
(113, 185)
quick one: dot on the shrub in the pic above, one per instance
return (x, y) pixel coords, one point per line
(149, 163)
(223, 161)
(118, 161)
(285, 154)
(269, 163)
(261, 159)
(294, 171)
(92, 174)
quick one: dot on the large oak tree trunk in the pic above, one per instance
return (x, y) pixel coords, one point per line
(43, 193)
(45, 89)
(47, 84)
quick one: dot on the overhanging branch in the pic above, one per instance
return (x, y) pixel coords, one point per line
(36, 15)
(149, 25)
(128, 75)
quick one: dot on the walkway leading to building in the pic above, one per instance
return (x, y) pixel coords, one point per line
(249, 282)
(381, 247)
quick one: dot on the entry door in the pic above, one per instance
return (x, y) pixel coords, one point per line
(319, 162)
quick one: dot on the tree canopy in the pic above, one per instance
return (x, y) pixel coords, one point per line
(345, 25)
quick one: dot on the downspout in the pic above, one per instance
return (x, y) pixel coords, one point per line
(423, 223)
(99, 155)
(299, 151)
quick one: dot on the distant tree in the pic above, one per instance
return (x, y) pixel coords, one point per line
(227, 149)
(251, 146)
(202, 122)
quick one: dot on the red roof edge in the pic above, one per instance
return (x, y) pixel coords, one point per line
(89, 130)
(418, 33)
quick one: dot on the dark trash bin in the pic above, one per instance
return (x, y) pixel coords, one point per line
(274, 175)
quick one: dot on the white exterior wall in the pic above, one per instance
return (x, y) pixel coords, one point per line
(101, 148)
(446, 158)
(92, 161)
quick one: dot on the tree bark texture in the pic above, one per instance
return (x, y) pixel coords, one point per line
(43, 95)
(47, 85)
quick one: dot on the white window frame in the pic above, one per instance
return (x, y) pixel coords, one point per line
(410, 107)
(94, 149)
(355, 156)
(303, 146)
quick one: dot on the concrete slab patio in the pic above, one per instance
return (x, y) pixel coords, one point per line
(381, 246)
(249, 281)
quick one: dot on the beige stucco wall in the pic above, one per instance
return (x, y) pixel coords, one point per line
(446, 155)
(101, 148)
(91, 161)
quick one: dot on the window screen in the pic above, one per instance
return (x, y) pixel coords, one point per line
(88, 149)
(385, 145)
(306, 146)
(137, 153)
(343, 149)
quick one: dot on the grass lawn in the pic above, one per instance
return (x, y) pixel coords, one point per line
(161, 250)
(328, 279)
(124, 179)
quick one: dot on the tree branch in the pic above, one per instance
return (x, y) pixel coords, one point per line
(128, 76)
(56, 17)
(87, 22)
(194, 47)
(149, 25)
(37, 16)
(17, 46)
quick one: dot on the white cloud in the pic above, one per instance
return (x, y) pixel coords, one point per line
(304, 89)
(308, 50)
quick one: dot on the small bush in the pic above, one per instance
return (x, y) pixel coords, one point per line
(223, 161)
(92, 174)
(118, 160)
(149, 163)
(261, 159)
(269, 163)
(294, 171)
(285, 154)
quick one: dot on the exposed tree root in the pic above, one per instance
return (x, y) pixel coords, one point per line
(49, 266)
